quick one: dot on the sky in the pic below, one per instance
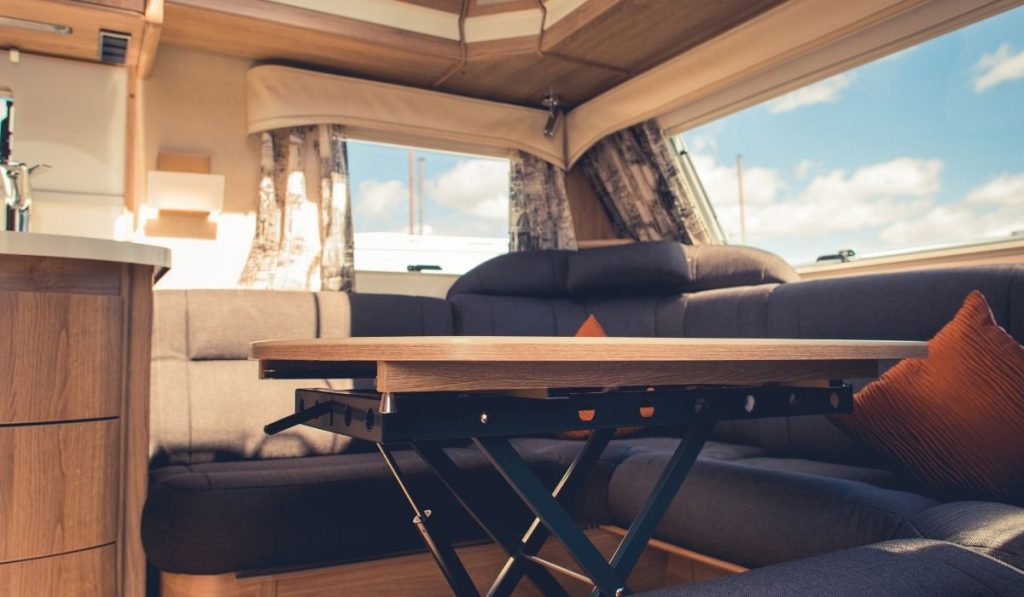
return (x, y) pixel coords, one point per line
(463, 195)
(921, 148)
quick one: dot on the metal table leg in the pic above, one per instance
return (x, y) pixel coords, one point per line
(667, 486)
(569, 485)
(450, 475)
(533, 493)
(444, 554)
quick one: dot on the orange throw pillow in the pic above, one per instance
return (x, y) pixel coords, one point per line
(954, 419)
(592, 328)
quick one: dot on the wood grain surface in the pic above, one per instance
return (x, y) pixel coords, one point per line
(134, 465)
(574, 350)
(432, 376)
(417, 575)
(60, 356)
(58, 488)
(28, 273)
(86, 573)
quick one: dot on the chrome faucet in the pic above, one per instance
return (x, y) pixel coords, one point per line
(16, 184)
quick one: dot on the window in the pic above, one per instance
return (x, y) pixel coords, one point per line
(415, 207)
(920, 149)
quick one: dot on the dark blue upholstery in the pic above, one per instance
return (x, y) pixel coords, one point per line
(910, 568)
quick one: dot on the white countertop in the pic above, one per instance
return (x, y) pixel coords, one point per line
(80, 247)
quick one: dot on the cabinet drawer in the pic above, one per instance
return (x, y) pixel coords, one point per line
(60, 356)
(58, 488)
(89, 573)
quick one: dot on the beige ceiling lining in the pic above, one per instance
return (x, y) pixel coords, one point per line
(280, 96)
(754, 61)
(440, 23)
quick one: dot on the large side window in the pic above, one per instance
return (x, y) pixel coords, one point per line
(923, 148)
(415, 207)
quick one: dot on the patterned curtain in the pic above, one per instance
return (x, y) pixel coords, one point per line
(539, 215)
(298, 244)
(640, 180)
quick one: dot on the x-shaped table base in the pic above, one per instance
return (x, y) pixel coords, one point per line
(550, 509)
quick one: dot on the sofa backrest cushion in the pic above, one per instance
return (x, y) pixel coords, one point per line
(638, 269)
(664, 268)
(207, 401)
(539, 274)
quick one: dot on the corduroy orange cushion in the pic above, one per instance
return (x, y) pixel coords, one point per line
(954, 419)
(592, 328)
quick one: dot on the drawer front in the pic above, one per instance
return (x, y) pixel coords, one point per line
(61, 356)
(58, 488)
(89, 573)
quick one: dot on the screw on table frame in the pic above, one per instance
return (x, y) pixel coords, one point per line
(444, 554)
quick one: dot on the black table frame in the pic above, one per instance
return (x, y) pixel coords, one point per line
(426, 420)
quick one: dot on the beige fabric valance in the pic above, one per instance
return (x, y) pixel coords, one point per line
(280, 96)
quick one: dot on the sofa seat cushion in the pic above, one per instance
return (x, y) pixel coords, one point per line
(804, 466)
(591, 505)
(754, 516)
(907, 568)
(232, 516)
(996, 530)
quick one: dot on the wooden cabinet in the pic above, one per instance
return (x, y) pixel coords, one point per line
(75, 339)
(85, 20)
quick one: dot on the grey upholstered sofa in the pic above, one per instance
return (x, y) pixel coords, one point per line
(763, 492)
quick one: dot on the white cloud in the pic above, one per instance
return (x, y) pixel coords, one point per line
(822, 92)
(1007, 190)
(477, 187)
(760, 185)
(998, 67)
(836, 201)
(380, 198)
(992, 210)
(804, 168)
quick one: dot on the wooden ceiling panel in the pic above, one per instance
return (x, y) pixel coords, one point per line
(636, 35)
(453, 6)
(477, 8)
(592, 49)
(302, 37)
(525, 78)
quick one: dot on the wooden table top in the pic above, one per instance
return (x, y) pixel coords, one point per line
(441, 363)
(572, 349)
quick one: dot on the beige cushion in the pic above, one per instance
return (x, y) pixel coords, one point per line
(222, 323)
(207, 401)
(230, 405)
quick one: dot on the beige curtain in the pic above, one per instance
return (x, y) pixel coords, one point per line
(303, 240)
(539, 215)
(640, 180)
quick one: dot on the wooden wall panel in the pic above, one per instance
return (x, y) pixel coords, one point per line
(58, 488)
(60, 356)
(589, 217)
(88, 573)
